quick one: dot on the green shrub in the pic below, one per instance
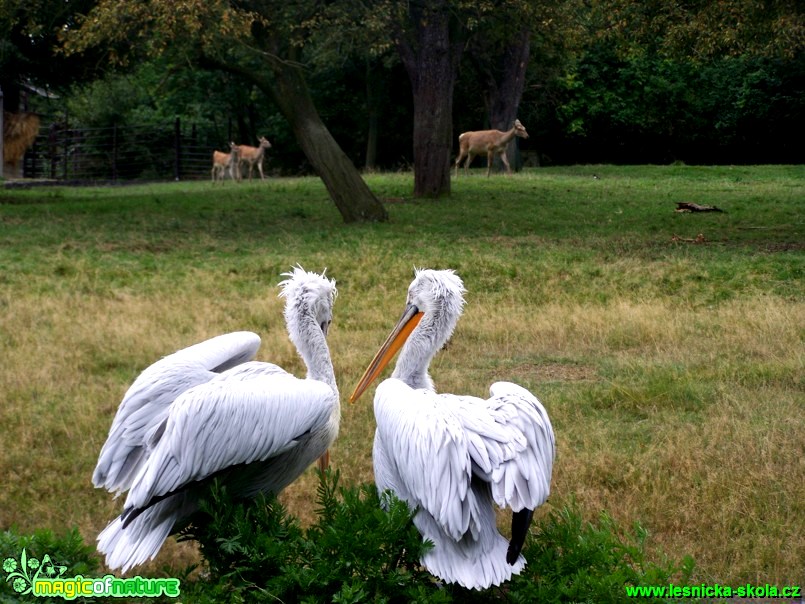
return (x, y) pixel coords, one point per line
(359, 551)
(356, 552)
(67, 553)
(570, 560)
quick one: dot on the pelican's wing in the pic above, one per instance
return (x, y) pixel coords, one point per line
(223, 352)
(251, 370)
(427, 449)
(510, 442)
(146, 403)
(224, 423)
(519, 467)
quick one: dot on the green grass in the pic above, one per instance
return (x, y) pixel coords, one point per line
(673, 370)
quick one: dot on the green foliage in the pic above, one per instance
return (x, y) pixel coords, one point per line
(355, 552)
(647, 108)
(361, 551)
(570, 560)
(29, 34)
(66, 551)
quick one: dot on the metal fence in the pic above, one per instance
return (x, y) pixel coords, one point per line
(120, 153)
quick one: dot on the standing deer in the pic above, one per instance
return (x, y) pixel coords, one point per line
(221, 162)
(490, 142)
(254, 155)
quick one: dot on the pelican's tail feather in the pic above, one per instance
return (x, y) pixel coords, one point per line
(140, 540)
(476, 561)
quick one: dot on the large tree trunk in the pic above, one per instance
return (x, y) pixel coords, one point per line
(505, 95)
(351, 195)
(375, 89)
(431, 60)
(289, 90)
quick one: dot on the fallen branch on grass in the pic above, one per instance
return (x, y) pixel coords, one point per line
(689, 206)
(698, 239)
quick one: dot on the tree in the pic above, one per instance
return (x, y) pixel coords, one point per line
(431, 36)
(28, 47)
(501, 52)
(430, 42)
(700, 29)
(259, 40)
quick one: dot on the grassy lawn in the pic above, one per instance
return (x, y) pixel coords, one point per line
(667, 347)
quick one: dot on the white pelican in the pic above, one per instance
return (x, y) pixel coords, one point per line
(450, 456)
(204, 413)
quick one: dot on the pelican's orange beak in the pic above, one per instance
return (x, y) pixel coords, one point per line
(409, 320)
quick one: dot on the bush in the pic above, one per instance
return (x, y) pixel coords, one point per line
(67, 553)
(356, 552)
(361, 551)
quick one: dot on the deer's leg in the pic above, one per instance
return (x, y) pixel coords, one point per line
(489, 160)
(260, 168)
(458, 160)
(467, 163)
(505, 161)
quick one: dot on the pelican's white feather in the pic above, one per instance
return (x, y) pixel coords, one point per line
(450, 457)
(209, 411)
(146, 403)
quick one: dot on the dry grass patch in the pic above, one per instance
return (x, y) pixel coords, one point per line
(685, 421)
(673, 374)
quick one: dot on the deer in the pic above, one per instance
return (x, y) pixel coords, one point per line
(254, 155)
(490, 142)
(221, 162)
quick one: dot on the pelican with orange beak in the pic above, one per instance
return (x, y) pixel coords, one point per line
(452, 457)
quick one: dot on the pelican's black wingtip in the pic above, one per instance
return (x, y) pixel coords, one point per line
(520, 522)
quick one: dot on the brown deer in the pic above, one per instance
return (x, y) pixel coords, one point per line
(221, 162)
(490, 142)
(254, 155)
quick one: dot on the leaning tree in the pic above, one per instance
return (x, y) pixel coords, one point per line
(262, 42)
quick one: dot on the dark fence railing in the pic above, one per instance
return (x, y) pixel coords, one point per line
(171, 152)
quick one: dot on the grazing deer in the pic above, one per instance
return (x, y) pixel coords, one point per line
(221, 162)
(254, 155)
(490, 142)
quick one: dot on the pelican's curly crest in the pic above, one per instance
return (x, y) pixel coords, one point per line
(299, 279)
(442, 282)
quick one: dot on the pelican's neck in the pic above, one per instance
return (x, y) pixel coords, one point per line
(422, 345)
(309, 339)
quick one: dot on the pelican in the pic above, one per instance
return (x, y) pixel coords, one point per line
(209, 411)
(450, 456)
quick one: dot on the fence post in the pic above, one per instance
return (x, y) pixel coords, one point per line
(53, 147)
(65, 145)
(114, 152)
(2, 157)
(177, 144)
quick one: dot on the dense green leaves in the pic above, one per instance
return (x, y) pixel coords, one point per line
(29, 55)
(658, 110)
(356, 551)
(362, 550)
(66, 552)
(607, 81)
